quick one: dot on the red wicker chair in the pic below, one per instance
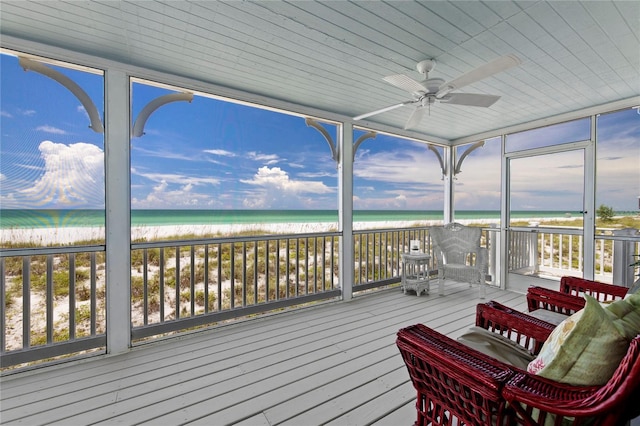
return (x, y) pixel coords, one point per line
(527, 331)
(455, 384)
(538, 401)
(569, 298)
(459, 385)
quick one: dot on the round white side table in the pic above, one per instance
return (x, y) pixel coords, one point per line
(415, 272)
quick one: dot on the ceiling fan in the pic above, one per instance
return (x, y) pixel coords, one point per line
(429, 90)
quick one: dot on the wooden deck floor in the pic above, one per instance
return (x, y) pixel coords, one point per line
(335, 363)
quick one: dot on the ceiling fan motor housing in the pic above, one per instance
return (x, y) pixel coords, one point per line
(433, 85)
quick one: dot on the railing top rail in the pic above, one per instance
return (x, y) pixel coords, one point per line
(40, 251)
(373, 230)
(224, 240)
(547, 230)
(617, 238)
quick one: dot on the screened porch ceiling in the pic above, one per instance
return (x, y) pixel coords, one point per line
(317, 57)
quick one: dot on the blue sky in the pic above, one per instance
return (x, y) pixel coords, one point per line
(211, 154)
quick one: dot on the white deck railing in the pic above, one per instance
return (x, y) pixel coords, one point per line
(558, 252)
(53, 299)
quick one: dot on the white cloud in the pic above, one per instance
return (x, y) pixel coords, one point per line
(5, 114)
(276, 189)
(174, 190)
(73, 176)
(407, 178)
(398, 167)
(180, 179)
(184, 196)
(165, 154)
(220, 152)
(51, 129)
(268, 159)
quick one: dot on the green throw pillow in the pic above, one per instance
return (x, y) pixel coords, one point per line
(625, 314)
(585, 349)
(635, 288)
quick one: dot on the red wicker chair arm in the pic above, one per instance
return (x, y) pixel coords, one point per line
(523, 329)
(601, 291)
(453, 381)
(552, 300)
(610, 404)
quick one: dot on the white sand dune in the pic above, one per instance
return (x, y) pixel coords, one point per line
(70, 235)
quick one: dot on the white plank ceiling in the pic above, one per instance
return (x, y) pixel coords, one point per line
(332, 55)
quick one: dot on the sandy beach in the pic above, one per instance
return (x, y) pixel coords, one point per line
(70, 235)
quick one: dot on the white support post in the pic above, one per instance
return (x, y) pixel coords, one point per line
(448, 185)
(623, 252)
(345, 209)
(118, 208)
(589, 208)
(505, 216)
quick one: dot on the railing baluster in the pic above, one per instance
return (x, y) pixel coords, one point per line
(277, 260)
(219, 260)
(145, 286)
(288, 269)
(255, 273)
(206, 278)
(177, 313)
(3, 302)
(26, 301)
(244, 273)
(267, 269)
(306, 266)
(161, 279)
(50, 298)
(72, 296)
(296, 267)
(233, 275)
(570, 252)
(192, 279)
(93, 301)
(332, 261)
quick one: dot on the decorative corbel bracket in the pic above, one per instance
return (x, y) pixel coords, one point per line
(362, 138)
(468, 151)
(335, 149)
(443, 167)
(143, 116)
(96, 123)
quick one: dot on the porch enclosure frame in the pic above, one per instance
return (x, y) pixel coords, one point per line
(587, 246)
(118, 247)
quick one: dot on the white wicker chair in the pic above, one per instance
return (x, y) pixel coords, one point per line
(459, 255)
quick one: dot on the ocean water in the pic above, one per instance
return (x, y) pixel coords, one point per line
(15, 218)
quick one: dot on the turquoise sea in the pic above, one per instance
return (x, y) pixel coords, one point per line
(14, 218)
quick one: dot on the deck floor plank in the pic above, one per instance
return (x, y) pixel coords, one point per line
(332, 362)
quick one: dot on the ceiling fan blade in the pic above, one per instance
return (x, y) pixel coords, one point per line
(487, 70)
(405, 83)
(416, 118)
(470, 99)
(380, 111)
